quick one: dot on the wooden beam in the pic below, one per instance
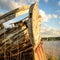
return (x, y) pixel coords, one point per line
(35, 24)
(12, 35)
(21, 22)
(14, 13)
(22, 51)
(2, 31)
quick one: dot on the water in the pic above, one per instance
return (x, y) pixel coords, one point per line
(52, 47)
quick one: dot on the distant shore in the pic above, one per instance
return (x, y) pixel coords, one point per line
(51, 38)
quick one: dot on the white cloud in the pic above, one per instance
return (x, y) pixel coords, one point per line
(59, 3)
(55, 16)
(8, 4)
(27, 1)
(46, 1)
(56, 32)
(12, 4)
(47, 17)
(50, 32)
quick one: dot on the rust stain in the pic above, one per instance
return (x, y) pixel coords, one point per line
(40, 52)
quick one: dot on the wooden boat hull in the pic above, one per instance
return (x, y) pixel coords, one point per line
(24, 41)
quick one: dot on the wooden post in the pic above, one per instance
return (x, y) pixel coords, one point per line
(4, 46)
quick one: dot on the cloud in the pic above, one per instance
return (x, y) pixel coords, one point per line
(27, 1)
(8, 4)
(56, 32)
(50, 32)
(47, 17)
(46, 30)
(55, 16)
(59, 3)
(12, 4)
(46, 1)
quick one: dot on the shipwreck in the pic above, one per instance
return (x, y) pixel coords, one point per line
(22, 42)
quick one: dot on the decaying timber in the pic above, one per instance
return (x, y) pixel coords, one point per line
(15, 13)
(22, 42)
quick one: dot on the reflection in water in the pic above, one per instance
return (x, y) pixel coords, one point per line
(52, 48)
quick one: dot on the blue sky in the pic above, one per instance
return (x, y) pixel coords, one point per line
(48, 9)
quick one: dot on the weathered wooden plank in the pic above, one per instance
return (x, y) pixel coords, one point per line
(12, 46)
(19, 23)
(14, 13)
(35, 19)
(12, 35)
(35, 24)
(2, 31)
(22, 51)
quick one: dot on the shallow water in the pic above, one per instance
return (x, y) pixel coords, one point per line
(52, 48)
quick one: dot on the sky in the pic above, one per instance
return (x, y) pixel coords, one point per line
(48, 9)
